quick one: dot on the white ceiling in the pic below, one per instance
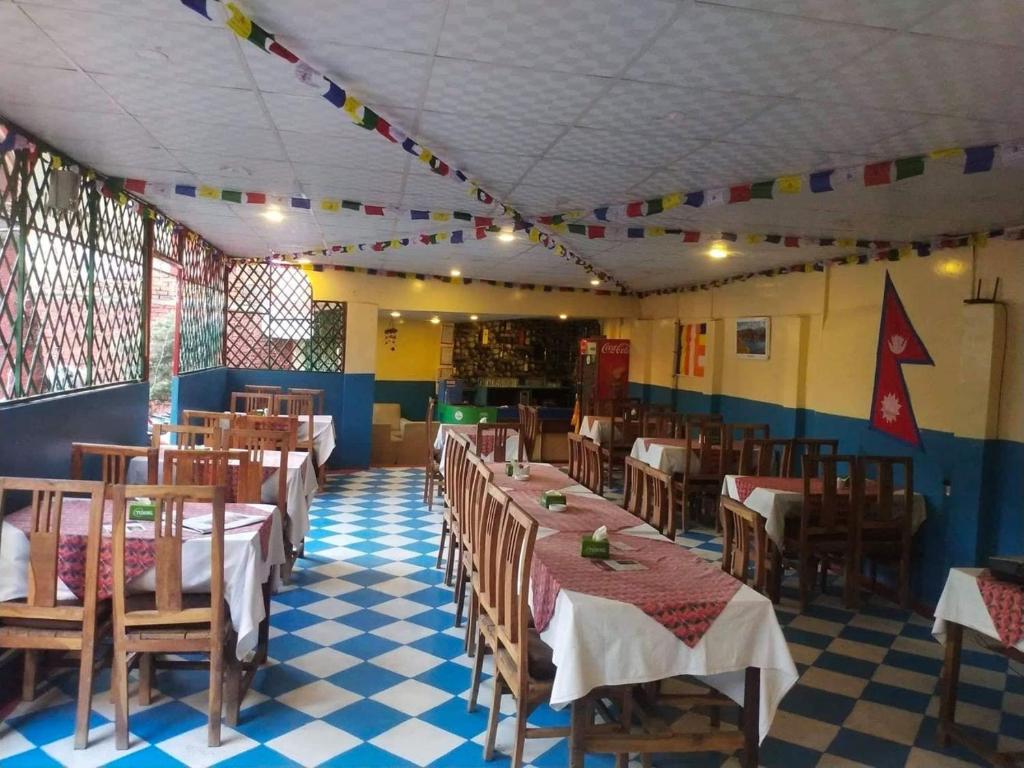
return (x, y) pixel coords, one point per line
(553, 104)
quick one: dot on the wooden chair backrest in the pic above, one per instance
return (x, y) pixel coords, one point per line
(113, 461)
(301, 409)
(253, 402)
(286, 424)
(529, 418)
(47, 505)
(803, 446)
(576, 456)
(705, 440)
(831, 510)
(474, 490)
(663, 424)
(736, 434)
(593, 467)
(657, 502)
(633, 487)
(258, 439)
(170, 503)
(265, 389)
(892, 495)
(209, 419)
(187, 437)
(516, 539)
(766, 457)
(493, 511)
(501, 431)
(242, 484)
(318, 395)
(702, 417)
(455, 477)
(743, 543)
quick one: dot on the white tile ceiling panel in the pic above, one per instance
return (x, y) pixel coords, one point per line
(45, 87)
(180, 206)
(875, 13)
(22, 41)
(137, 157)
(658, 108)
(332, 177)
(148, 9)
(98, 43)
(585, 36)
(931, 74)
(156, 175)
(387, 78)
(493, 167)
(181, 132)
(53, 125)
(727, 49)
(830, 127)
(143, 96)
(247, 174)
(601, 178)
(938, 132)
(357, 149)
(498, 90)
(399, 25)
(486, 134)
(623, 147)
(990, 21)
(339, 190)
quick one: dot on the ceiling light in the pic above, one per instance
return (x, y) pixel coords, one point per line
(563, 316)
(435, 320)
(595, 281)
(506, 237)
(474, 317)
(303, 261)
(455, 273)
(273, 214)
(718, 251)
(396, 313)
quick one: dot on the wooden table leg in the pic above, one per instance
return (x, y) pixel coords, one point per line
(950, 680)
(751, 717)
(577, 731)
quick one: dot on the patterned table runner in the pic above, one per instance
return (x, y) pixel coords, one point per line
(746, 484)
(1005, 604)
(679, 590)
(139, 548)
(583, 513)
(542, 478)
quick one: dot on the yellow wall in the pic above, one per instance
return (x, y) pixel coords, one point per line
(417, 354)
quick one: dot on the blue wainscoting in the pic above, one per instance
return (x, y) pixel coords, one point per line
(199, 391)
(981, 516)
(37, 435)
(410, 395)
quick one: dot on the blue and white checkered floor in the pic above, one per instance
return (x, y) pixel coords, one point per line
(367, 671)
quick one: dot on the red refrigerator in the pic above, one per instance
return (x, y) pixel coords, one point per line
(603, 371)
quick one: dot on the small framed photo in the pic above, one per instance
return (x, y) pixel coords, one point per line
(753, 337)
(448, 333)
(446, 354)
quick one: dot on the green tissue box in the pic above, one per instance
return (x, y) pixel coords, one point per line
(552, 497)
(596, 549)
(141, 509)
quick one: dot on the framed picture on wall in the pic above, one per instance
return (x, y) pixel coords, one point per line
(753, 337)
(446, 354)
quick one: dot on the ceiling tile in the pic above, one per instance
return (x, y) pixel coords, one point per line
(45, 87)
(622, 147)
(243, 173)
(873, 13)
(183, 132)
(147, 9)
(23, 42)
(332, 177)
(60, 126)
(989, 21)
(213, 104)
(487, 134)
(358, 149)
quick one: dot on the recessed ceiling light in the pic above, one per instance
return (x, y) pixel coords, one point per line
(273, 214)
(474, 317)
(396, 313)
(506, 237)
(435, 320)
(455, 273)
(718, 251)
(595, 281)
(563, 316)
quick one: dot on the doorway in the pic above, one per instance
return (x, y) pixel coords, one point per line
(163, 339)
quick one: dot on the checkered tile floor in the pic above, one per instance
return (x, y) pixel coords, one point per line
(367, 671)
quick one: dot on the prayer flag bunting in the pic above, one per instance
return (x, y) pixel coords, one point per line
(979, 159)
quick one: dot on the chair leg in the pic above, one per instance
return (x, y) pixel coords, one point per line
(492, 717)
(803, 567)
(86, 668)
(460, 589)
(29, 673)
(145, 679)
(440, 544)
(428, 489)
(905, 581)
(449, 566)
(119, 688)
(520, 737)
(478, 669)
(474, 610)
(216, 692)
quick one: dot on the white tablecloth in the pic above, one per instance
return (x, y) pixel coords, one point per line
(245, 572)
(302, 485)
(597, 428)
(775, 506)
(511, 443)
(597, 641)
(324, 438)
(667, 458)
(961, 603)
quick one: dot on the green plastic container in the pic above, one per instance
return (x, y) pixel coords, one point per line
(466, 414)
(595, 549)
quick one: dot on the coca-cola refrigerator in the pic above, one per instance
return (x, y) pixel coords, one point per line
(603, 371)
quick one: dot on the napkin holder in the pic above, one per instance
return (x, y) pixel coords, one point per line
(142, 509)
(552, 497)
(596, 549)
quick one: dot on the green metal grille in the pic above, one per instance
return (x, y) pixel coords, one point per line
(71, 284)
(202, 305)
(273, 322)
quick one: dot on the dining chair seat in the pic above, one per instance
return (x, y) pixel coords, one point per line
(74, 627)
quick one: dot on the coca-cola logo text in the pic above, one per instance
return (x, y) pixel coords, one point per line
(615, 348)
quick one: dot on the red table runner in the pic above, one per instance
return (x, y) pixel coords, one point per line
(674, 442)
(1005, 604)
(745, 485)
(681, 591)
(583, 513)
(139, 546)
(542, 478)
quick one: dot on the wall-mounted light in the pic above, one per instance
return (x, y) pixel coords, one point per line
(718, 251)
(563, 316)
(396, 313)
(435, 320)
(455, 273)
(474, 317)
(595, 281)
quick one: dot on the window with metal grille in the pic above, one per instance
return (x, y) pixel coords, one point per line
(202, 306)
(71, 281)
(274, 323)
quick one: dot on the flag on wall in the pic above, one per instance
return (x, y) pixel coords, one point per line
(695, 337)
(898, 345)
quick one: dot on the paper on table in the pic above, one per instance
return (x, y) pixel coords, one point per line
(620, 565)
(204, 523)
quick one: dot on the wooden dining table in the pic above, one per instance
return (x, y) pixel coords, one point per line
(486, 451)
(676, 615)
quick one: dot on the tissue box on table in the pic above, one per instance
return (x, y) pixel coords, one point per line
(552, 497)
(590, 547)
(141, 509)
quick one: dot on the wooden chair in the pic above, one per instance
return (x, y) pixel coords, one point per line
(489, 521)
(168, 621)
(185, 436)
(703, 474)
(808, 446)
(658, 506)
(529, 418)
(41, 622)
(114, 461)
(264, 389)
(887, 529)
(828, 529)
(474, 487)
(234, 469)
(432, 477)
(633, 486)
(736, 434)
(319, 398)
(275, 423)
(593, 466)
(209, 419)
(744, 543)
(576, 456)
(455, 450)
(501, 432)
(765, 457)
(301, 408)
(253, 402)
(626, 426)
(662, 424)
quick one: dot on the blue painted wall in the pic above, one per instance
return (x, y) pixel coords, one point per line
(983, 515)
(37, 435)
(410, 395)
(199, 391)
